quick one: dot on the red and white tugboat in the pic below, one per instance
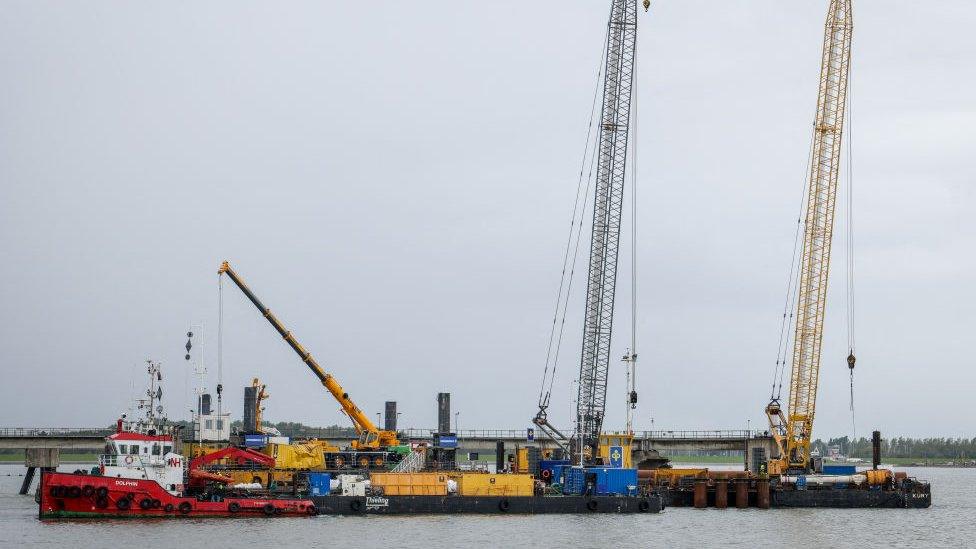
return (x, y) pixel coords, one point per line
(141, 476)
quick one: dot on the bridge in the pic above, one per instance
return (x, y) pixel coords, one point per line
(91, 440)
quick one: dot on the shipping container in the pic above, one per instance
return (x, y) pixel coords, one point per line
(573, 480)
(319, 484)
(484, 484)
(546, 468)
(410, 484)
(599, 480)
(839, 469)
(255, 441)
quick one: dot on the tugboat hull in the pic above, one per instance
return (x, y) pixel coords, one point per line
(71, 495)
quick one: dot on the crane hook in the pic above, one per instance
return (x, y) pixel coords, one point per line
(851, 360)
(647, 5)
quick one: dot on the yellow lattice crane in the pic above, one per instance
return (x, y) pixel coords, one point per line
(793, 429)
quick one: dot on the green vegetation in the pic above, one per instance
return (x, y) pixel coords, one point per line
(914, 450)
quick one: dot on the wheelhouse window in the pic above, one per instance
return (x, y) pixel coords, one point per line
(155, 449)
(209, 424)
(167, 449)
(123, 448)
(134, 449)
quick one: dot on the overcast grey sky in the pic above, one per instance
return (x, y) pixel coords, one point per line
(395, 180)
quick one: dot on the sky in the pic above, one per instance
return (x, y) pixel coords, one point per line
(396, 181)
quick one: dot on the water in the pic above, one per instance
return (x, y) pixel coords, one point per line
(949, 523)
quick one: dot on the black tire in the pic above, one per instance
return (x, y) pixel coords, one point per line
(356, 505)
(79, 472)
(88, 491)
(592, 505)
(101, 503)
(156, 503)
(168, 508)
(504, 505)
(644, 506)
(269, 509)
(185, 507)
(55, 491)
(73, 492)
(101, 492)
(145, 504)
(123, 503)
(234, 507)
(311, 510)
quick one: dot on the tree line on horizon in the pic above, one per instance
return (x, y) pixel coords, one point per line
(902, 447)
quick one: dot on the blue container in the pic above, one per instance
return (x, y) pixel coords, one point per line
(255, 441)
(611, 480)
(839, 469)
(548, 465)
(557, 474)
(319, 484)
(574, 479)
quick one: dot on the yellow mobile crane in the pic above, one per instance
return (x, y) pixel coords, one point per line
(370, 436)
(793, 429)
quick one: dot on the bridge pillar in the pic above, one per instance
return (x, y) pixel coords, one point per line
(47, 459)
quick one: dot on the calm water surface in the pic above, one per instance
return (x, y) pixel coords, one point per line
(951, 522)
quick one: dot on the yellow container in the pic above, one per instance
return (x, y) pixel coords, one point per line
(482, 484)
(410, 484)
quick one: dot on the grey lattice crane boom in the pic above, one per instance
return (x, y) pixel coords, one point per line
(607, 211)
(611, 161)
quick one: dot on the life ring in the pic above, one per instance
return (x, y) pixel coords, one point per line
(644, 506)
(145, 504)
(592, 505)
(503, 505)
(123, 503)
(128, 460)
(356, 505)
(101, 492)
(546, 473)
(233, 507)
(268, 509)
(185, 507)
(168, 508)
(88, 491)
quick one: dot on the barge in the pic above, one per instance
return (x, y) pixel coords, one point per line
(485, 505)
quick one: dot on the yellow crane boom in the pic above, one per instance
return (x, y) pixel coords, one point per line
(370, 436)
(793, 431)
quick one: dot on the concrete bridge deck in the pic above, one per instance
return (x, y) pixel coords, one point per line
(471, 440)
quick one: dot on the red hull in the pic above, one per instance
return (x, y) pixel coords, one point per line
(68, 495)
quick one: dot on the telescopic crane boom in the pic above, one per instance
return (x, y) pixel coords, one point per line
(793, 430)
(370, 436)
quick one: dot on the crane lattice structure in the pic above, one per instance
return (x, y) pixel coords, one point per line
(793, 432)
(607, 210)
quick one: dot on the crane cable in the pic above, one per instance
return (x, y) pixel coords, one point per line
(851, 359)
(220, 341)
(579, 211)
(792, 286)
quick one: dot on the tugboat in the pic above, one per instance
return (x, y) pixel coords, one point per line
(142, 475)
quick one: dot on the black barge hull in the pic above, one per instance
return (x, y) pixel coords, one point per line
(484, 505)
(852, 499)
